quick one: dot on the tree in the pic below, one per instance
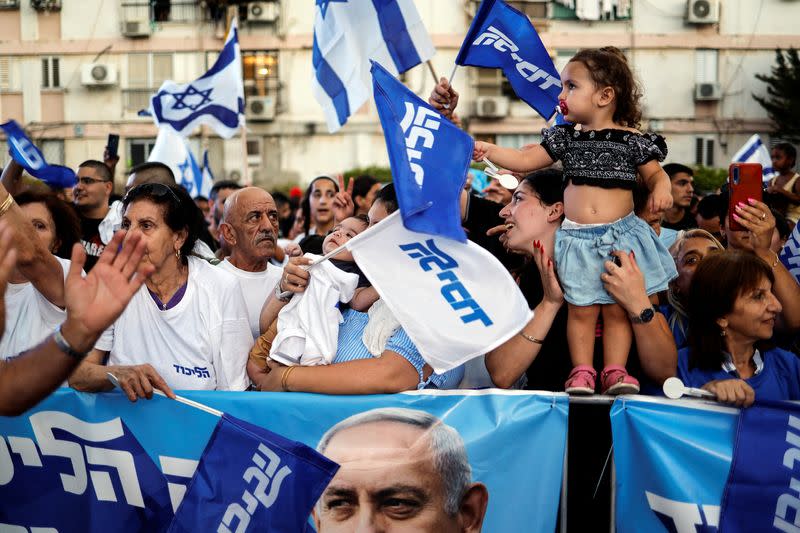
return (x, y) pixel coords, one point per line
(783, 89)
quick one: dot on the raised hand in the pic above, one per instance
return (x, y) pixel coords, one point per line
(8, 260)
(94, 302)
(444, 98)
(343, 206)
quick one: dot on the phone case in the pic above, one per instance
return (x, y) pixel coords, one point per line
(744, 182)
(113, 144)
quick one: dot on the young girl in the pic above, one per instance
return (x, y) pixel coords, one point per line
(601, 161)
(787, 182)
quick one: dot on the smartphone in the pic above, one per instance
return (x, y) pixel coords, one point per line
(112, 145)
(744, 182)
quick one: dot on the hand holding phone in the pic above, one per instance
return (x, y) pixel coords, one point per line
(744, 182)
(112, 145)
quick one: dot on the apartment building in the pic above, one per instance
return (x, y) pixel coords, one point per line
(74, 71)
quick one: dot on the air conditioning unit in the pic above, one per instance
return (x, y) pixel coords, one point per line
(702, 11)
(98, 74)
(491, 107)
(46, 5)
(704, 92)
(262, 11)
(260, 108)
(136, 28)
(9, 4)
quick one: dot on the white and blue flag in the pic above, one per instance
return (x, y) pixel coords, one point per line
(755, 151)
(24, 152)
(790, 255)
(215, 99)
(347, 35)
(207, 180)
(173, 150)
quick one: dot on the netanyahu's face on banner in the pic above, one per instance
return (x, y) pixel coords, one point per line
(397, 476)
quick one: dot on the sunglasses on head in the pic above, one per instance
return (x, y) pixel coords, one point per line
(156, 190)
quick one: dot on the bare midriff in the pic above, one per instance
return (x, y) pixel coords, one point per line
(585, 204)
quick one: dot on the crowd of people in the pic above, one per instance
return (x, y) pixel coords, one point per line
(627, 269)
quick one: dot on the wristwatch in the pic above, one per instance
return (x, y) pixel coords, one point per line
(282, 296)
(644, 317)
(63, 345)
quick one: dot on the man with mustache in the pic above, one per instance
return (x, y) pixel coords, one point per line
(250, 227)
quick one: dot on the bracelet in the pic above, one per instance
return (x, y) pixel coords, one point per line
(6, 205)
(64, 346)
(530, 338)
(285, 378)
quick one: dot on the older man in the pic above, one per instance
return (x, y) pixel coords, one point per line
(401, 470)
(250, 227)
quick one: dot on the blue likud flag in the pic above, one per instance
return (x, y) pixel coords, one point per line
(80, 476)
(502, 37)
(215, 99)
(24, 152)
(790, 255)
(429, 157)
(207, 181)
(250, 479)
(173, 150)
(762, 490)
(755, 151)
(347, 35)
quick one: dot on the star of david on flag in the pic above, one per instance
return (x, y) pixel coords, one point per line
(215, 99)
(323, 5)
(173, 150)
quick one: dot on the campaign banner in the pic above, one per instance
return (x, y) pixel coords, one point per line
(672, 461)
(424, 457)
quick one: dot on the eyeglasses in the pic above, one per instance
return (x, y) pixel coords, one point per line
(154, 190)
(90, 181)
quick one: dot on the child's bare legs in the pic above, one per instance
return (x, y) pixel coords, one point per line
(617, 338)
(581, 324)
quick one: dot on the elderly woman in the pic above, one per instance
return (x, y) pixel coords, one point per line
(688, 250)
(732, 312)
(187, 327)
(398, 366)
(44, 226)
(540, 350)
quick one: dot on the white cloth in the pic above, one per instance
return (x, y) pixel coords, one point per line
(30, 317)
(382, 325)
(202, 343)
(587, 9)
(308, 327)
(256, 287)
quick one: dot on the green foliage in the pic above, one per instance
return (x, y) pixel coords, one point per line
(382, 174)
(783, 90)
(707, 179)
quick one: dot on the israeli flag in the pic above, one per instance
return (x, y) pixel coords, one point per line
(173, 150)
(503, 37)
(24, 152)
(215, 99)
(790, 255)
(207, 180)
(347, 35)
(755, 151)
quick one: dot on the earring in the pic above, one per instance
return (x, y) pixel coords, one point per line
(722, 332)
(178, 254)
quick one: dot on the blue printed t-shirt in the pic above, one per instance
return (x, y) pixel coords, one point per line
(351, 348)
(779, 380)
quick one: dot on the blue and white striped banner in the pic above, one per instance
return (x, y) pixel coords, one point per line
(755, 151)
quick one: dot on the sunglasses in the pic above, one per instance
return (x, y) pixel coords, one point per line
(90, 181)
(155, 190)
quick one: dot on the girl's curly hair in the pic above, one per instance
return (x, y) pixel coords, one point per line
(608, 67)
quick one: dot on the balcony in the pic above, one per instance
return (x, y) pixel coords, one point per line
(165, 11)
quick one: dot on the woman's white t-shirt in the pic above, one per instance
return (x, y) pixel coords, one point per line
(202, 343)
(30, 317)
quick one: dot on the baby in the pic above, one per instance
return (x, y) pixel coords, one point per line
(308, 327)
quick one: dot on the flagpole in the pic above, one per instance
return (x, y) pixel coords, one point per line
(186, 401)
(246, 169)
(433, 71)
(452, 75)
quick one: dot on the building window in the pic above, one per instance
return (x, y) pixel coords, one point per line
(260, 71)
(706, 66)
(139, 150)
(51, 75)
(5, 73)
(52, 150)
(704, 151)
(146, 73)
(568, 10)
